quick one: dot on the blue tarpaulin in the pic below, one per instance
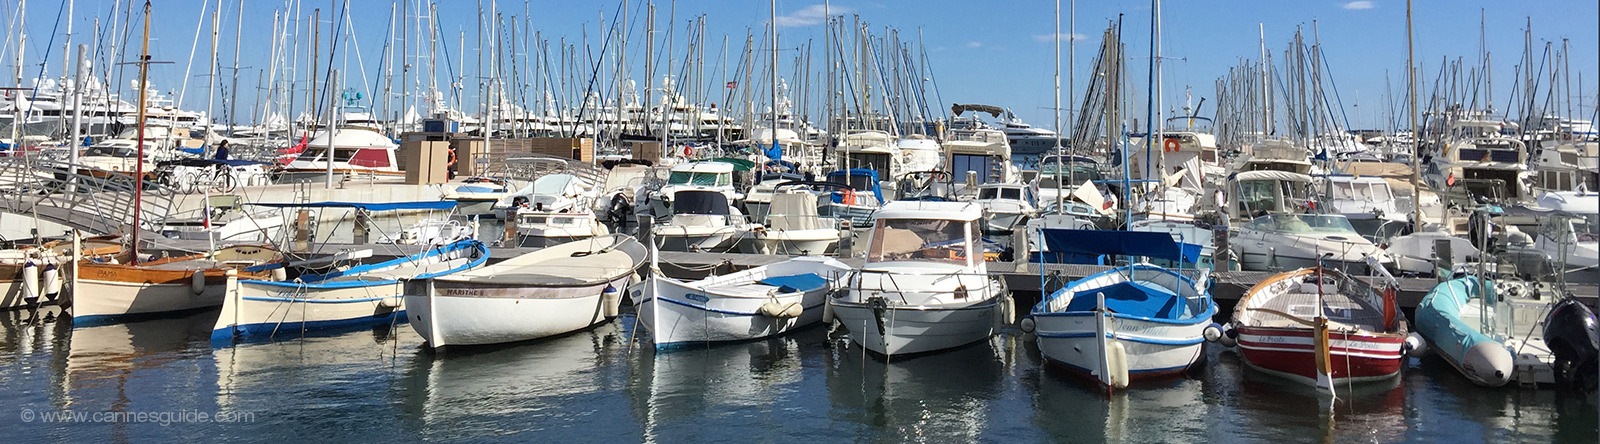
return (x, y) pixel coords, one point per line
(798, 282)
(1128, 243)
(373, 206)
(775, 152)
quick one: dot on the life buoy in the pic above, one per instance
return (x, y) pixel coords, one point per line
(452, 162)
(1171, 145)
(688, 151)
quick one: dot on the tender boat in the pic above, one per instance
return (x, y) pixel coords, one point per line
(1132, 322)
(555, 290)
(755, 303)
(1322, 327)
(1489, 330)
(924, 286)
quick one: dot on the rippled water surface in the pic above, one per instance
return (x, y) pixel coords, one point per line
(600, 385)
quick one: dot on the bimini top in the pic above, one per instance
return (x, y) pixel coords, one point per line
(369, 206)
(918, 209)
(1129, 243)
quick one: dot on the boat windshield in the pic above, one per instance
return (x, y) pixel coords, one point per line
(919, 239)
(1362, 191)
(858, 182)
(1304, 224)
(552, 185)
(1000, 193)
(111, 151)
(699, 179)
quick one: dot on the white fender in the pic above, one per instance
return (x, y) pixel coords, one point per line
(782, 311)
(610, 298)
(50, 279)
(827, 310)
(30, 280)
(1416, 345)
(1117, 363)
(392, 303)
(280, 274)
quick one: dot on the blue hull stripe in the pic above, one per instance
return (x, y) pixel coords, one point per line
(319, 301)
(1187, 341)
(714, 310)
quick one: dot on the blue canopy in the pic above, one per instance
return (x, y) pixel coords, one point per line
(369, 206)
(1129, 243)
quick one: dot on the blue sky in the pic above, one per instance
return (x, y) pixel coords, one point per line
(981, 52)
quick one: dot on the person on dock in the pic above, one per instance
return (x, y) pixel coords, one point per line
(222, 151)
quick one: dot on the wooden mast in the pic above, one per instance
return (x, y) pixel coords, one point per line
(138, 175)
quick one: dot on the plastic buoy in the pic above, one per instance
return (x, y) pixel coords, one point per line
(1027, 325)
(50, 279)
(392, 303)
(197, 282)
(30, 280)
(1416, 345)
(827, 311)
(280, 274)
(610, 298)
(1212, 333)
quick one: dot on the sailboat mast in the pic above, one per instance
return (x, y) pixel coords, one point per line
(138, 175)
(1416, 134)
(1061, 201)
(774, 69)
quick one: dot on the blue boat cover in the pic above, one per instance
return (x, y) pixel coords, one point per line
(1129, 243)
(369, 206)
(794, 283)
(1130, 299)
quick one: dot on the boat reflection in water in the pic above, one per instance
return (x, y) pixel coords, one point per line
(1371, 412)
(892, 397)
(761, 381)
(554, 386)
(145, 356)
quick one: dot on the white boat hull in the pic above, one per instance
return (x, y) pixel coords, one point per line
(911, 330)
(790, 242)
(98, 300)
(1153, 349)
(253, 308)
(459, 313)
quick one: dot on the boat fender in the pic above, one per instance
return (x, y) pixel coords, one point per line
(827, 311)
(610, 298)
(1212, 333)
(1230, 336)
(391, 303)
(197, 282)
(280, 274)
(1027, 325)
(1416, 345)
(30, 280)
(50, 280)
(774, 309)
(1117, 363)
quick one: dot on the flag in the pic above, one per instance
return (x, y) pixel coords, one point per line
(732, 85)
(205, 217)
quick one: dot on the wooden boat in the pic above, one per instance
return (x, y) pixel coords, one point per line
(1133, 322)
(106, 289)
(556, 290)
(362, 295)
(756, 303)
(1322, 327)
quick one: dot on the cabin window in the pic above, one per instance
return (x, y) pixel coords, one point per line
(987, 167)
(919, 239)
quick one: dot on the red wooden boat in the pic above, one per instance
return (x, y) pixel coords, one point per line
(1322, 327)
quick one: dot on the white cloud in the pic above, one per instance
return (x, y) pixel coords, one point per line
(1356, 5)
(1044, 38)
(974, 44)
(810, 15)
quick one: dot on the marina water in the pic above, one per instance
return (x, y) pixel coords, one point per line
(607, 385)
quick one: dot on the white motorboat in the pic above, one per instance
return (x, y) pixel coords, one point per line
(701, 221)
(225, 218)
(1367, 202)
(359, 149)
(1006, 206)
(792, 227)
(755, 303)
(1276, 242)
(1132, 322)
(759, 199)
(1571, 236)
(924, 286)
(555, 290)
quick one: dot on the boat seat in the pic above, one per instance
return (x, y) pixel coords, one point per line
(794, 283)
(1130, 299)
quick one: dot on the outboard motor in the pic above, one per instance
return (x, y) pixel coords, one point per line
(1571, 332)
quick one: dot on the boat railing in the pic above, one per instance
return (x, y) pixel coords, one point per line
(852, 278)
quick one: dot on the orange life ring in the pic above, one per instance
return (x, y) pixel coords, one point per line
(452, 163)
(1171, 145)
